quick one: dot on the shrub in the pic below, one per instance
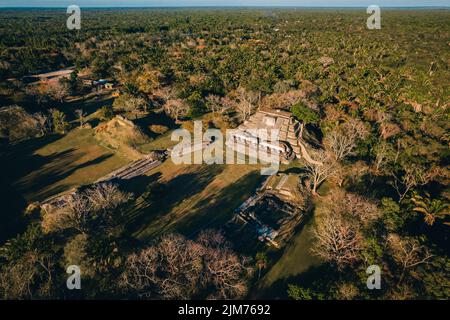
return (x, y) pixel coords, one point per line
(158, 128)
(106, 112)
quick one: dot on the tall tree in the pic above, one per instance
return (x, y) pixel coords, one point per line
(59, 122)
(305, 115)
(80, 115)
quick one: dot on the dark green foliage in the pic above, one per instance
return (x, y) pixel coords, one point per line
(392, 216)
(59, 122)
(106, 112)
(395, 80)
(299, 293)
(305, 114)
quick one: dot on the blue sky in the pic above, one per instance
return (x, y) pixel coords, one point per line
(166, 3)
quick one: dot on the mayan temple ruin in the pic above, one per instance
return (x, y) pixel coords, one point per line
(268, 118)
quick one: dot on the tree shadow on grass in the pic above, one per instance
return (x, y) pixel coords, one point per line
(294, 170)
(372, 186)
(10, 214)
(89, 106)
(27, 174)
(157, 212)
(138, 185)
(61, 167)
(323, 273)
(17, 160)
(154, 118)
(214, 212)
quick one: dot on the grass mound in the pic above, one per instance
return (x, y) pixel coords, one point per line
(121, 135)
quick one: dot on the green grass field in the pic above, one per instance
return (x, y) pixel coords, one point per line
(71, 160)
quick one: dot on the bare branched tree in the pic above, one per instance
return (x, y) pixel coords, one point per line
(58, 91)
(358, 207)
(131, 103)
(82, 210)
(176, 108)
(169, 270)
(214, 103)
(177, 268)
(27, 278)
(408, 253)
(342, 139)
(167, 93)
(135, 104)
(80, 115)
(106, 196)
(245, 102)
(42, 123)
(223, 269)
(321, 169)
(413, 176)
(384, 153)
(75, 213)
(387, 127)
(17, 124)
(337, 241)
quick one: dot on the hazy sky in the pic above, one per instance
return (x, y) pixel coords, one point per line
(167, 3)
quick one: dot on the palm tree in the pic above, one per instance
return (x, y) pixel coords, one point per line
(432, 209)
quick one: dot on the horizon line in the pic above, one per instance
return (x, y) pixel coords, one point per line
(217, 6)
